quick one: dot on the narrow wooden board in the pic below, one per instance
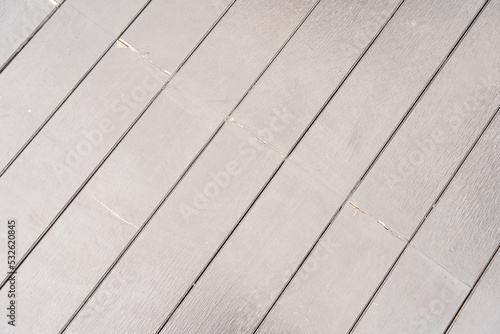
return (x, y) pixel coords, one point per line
(59, 159)
(313, 64)
(119, 198)
(420, 160)
(419, 297)
(119, 310)
(111, 15)
(480, 314)
(147, 33)
(460, 81)
(40, 77)
(218, 302)
(464, 229)
(459, 237)
(19, 19)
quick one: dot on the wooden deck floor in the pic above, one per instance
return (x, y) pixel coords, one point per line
(250, 166)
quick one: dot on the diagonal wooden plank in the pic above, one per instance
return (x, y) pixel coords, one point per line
(178, 123)
(465, 221)
(58, 161)
(55, 62)
(195, 230)
(325, 297)
(480, 313)
(19, 22)
(219, 301)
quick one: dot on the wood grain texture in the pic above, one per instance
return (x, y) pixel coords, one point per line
(419, 297)
(309, 69)
(245, 277)
(480, 314)
(423, 156)
(469, 77)
(459, 237)
(334, 283)
(58, 160)
(125, 190)
(464, 229)
(111, 15)
(159, 291)
(18, 21)
(219, 301)
(45, 71)
(184, 233)
(148, 33)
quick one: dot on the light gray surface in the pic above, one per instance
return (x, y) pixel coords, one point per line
(464, 229)
(38, 79)
(457, 239)
(419, 297)
(18, 21)
(159, 291)
(104, 216)
(244, 279)
(213, 301)
(422, 157)
(339, 276)
(480, 314)
(55, 164)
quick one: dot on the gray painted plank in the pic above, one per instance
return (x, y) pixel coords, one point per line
(176, 215)
(419, 297)
(461, 81)
(105, 215)
(110, 15)
(45, 71)
(19, 19)
(184, 233)
(56, 162)
(459, 237)
(464, 229)
(275, 237)
(480, 314)
(416, 166)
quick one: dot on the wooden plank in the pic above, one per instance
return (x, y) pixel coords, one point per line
(480, 314)
(275, 235)
(56, 162)
(460, 81)
(181, 221)
(459, 237)
(19, 20)
(111, 15)
(42, 75)
(125, 190)
(419, 297)
(464, 229)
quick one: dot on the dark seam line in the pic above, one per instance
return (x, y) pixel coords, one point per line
(75, 87)
(271, 177)
(391, 269)
(72, 198)
(360, 180)
(471, 292)
(30, 37)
